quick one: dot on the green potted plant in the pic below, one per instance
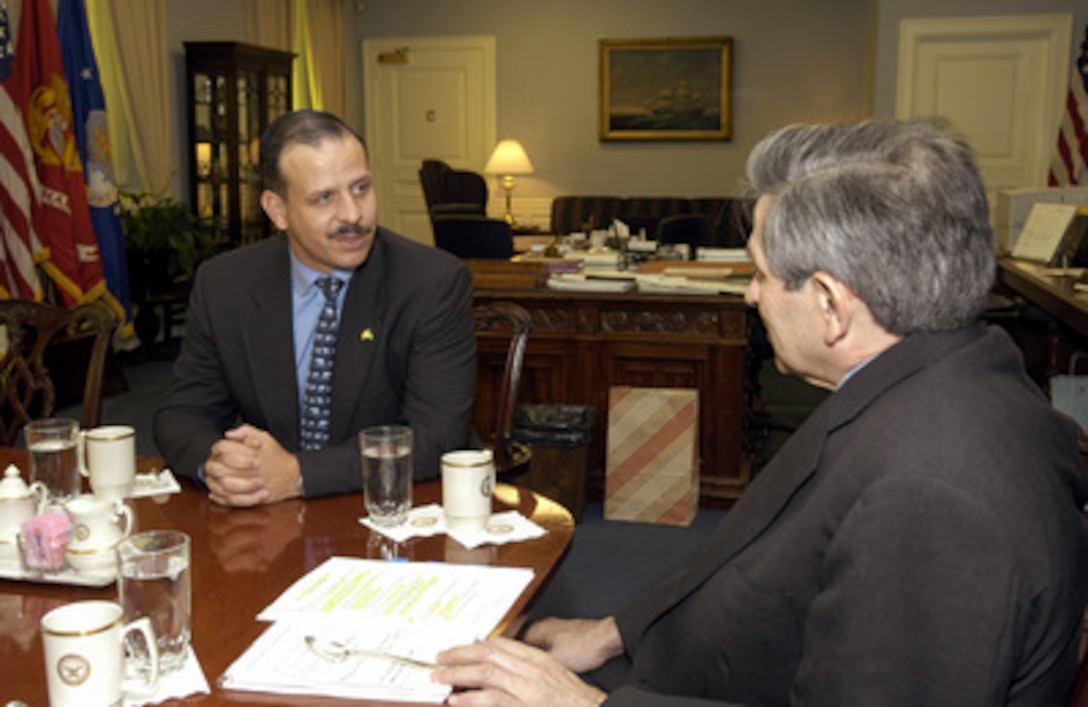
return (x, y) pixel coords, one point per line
(164, 241)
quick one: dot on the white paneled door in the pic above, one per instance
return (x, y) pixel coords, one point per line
(426, 98)
(1000, 80)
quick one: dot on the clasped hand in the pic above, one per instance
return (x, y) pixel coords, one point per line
(249, 467)
(542, 671)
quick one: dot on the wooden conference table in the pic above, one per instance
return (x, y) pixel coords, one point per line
(242, 559)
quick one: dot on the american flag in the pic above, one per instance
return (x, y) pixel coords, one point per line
(1070, 163)
(19, 188)
(7, 48)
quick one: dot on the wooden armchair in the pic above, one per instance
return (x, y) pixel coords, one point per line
(502, 332)
(27, 389)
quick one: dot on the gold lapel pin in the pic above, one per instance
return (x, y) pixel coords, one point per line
(367, 335)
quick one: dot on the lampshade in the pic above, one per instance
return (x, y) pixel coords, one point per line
(509, 158)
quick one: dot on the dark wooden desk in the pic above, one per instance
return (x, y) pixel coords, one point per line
(584, 343)
(1056, 295)
(1047, 344)
(244, 558)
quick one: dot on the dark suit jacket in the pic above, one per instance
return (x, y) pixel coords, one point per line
(918, 541)
(406, 353)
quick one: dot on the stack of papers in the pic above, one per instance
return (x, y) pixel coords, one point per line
(582, 283)
(412, 610)
(723, 255)
(670, 284)
(608, 258)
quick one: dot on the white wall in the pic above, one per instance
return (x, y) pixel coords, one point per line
(794, 60)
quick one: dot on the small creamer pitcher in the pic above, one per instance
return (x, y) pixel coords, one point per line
(97, 523)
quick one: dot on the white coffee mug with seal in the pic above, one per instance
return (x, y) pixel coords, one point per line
(84, 646)
(468, 482)
(108, 459)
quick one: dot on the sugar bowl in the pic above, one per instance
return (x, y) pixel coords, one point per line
(18, 504)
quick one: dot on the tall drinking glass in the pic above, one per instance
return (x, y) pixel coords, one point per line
(154, 580)
(387, 473)
(54, 460)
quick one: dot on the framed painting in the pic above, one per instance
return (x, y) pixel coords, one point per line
(666, 89)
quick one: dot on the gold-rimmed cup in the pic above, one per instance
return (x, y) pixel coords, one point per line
(85, 661)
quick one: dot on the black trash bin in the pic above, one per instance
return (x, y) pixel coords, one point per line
(560, 437)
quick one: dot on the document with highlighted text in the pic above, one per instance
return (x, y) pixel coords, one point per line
(365, 629)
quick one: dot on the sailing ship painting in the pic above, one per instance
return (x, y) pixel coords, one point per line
(665, 89)
(681, 108)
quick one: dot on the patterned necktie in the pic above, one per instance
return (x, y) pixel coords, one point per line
(314, 420)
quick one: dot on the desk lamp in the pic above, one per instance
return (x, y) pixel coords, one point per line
(507, 160)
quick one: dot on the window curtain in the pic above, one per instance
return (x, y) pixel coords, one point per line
(314, 31)
(329, 52)
(271, 23)
(130, 45)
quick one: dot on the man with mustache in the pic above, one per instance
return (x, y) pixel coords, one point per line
(402, 352)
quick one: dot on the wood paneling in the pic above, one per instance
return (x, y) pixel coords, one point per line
(582, 344)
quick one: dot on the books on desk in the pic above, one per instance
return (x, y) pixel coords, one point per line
(408, 609)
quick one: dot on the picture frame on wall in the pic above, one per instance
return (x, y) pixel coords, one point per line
(666, 89)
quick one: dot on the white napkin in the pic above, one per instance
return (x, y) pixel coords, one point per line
(425, 521)
(153, 484)
(189, 680)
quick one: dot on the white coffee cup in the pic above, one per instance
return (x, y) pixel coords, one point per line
(468, 482)
(108, 459)
(84, 651)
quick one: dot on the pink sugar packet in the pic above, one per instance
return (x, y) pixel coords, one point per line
(44, 539)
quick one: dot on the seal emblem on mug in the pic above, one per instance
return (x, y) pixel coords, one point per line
(73, 669)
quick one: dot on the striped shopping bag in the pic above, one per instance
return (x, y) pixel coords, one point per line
(652, 469)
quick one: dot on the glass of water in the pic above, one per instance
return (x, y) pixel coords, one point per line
(54, 460)
(154, 580)
(387, 473)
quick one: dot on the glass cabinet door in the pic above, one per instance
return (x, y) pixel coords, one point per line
(235, 90)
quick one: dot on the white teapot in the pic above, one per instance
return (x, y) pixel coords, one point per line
(18, 504)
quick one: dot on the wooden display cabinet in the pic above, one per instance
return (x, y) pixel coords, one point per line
(234, 91)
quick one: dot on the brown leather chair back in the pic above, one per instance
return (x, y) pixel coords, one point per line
(27, 388)
(448, 190)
